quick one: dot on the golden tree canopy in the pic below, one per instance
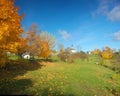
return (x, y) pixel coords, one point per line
(10, 26)
(10, 29)
(107, 53)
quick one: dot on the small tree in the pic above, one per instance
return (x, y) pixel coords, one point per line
(96, 52)
(107, 53)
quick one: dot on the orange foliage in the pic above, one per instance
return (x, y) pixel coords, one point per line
(10, 28)
(44, 50)
(34, 40)
(36, 45)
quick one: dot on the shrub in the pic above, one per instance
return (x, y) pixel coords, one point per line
(71, 57)
(116, 63)
(83, 56)
(64, 56)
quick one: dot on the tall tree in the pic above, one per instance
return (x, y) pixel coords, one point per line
(34, 40)
(47, 37)
(10, 28)
(40, 44)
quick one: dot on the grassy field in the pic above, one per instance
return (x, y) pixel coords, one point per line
(56, 78)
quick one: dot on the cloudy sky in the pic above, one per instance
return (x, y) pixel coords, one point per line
(85, 24)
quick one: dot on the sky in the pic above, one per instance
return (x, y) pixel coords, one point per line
(83, 24)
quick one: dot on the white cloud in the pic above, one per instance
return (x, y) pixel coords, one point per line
(65, 35)
(108, 8)
(114, 14)
(117, 36)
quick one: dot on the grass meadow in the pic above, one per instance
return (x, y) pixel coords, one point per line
(56, 78)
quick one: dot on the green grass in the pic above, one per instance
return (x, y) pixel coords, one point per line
(56, 78)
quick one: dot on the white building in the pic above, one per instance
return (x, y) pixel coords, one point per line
(26, 55)
(71, 50)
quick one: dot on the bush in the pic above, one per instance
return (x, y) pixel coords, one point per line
(64, 56)
(71, 57)
(116, 63)
(83, 56)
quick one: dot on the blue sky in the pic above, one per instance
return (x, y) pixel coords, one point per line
(85, 24)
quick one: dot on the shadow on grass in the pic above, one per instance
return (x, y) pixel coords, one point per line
(14, 87)
(19, 67)
(47, 60)
(8, 83)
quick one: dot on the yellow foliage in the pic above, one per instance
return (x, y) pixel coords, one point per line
(96, 51)
(107, 53)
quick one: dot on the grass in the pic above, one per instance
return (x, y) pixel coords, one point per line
(56, 78)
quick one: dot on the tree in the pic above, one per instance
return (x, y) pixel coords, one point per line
(107, 53)
(47, 37)
(34, 40)
(96, 52)
(44, 50)
(38, 45)
(10, 29)
(61, 48)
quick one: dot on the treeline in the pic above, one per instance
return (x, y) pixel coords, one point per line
(109, 58)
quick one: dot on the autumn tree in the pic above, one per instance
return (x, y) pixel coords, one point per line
(50, 39)
(10, 29)
(33, 40)
(107, 53)
(44, 50)
(38, 45)
(96, 52)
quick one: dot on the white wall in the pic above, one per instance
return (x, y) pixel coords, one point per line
(26, 56)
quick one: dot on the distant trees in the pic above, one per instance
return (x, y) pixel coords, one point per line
(96, 51)
(10, 29)
(106, 53)
(70, 57)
